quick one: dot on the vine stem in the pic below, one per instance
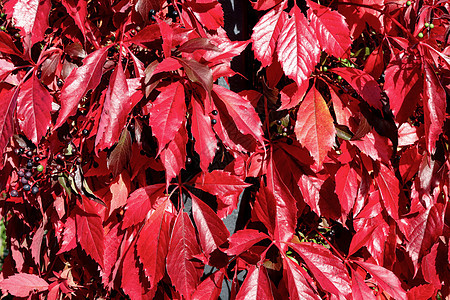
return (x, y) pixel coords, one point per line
(335, 250)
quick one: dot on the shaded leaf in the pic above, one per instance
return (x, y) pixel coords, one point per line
(22, 284)
(120, 156)
(173, 157)
(360, 290)
(298, 286)
(243, 240)
(388, 186)
(8, 100)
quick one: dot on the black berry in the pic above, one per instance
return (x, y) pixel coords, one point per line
(23, 180)
(14, 193)
(29, 164)
(60, 157)
(34, 190)
(26, 187)
(285, 130)
(79, 160)
(215, 112)
(17, 151)
(289, 141)
(213, 121)
(278, 122)
(85, 132)
(58, 167)
(152, 12)
(95, 164)
(20, 173)
(36, 159)
(29, 153)
(146, 117)
(21, 151)
(174, 14)
(188, 161)
(59, 83)
(28, 174)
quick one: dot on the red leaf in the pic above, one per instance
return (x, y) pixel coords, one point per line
(119, 187)
(183, 272)
(403, 82)
(375, 146)
(424, 230)
(421, 292)
(363, 83)
(210, 288)
(256, 285)
(7, 45)
(346, 187)
(8, 101)
(120, 156)
(113, 240)
(360, 290)
(90, 233)
(385, 279)
(209, 13)
(198, 72)
(331, 29)
(31, 16)
(34, 104)
(173, 156)
(388, 186)
(167, 114)
(225, 186)
(327, 269)
(298, 49)
(78, 11)
(143, 7)
(314, 127)
(147, 34)
(69, 240)
(291, 95)
(265, 208)
(211, 230)
(22, 284)
(298, 285)
(115, 110)
(285, 206)
(140, 202)
(243, 240)
(266, 33)
(153, 243)
(242, 112)
(80, 81)
(205, 138)
(264, 4)
(434, 106)
(374, 64)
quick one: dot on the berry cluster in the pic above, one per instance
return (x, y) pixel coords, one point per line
(29, 172)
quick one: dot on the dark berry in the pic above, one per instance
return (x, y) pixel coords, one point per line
(26, 187)
(38, 74)
(79, 160)
(146, 117)
(131, 126)
(133, 31)
(17, 35)
(37, 159)
(28, 174)
(85, 132)
(152, 12)
(29, 153)
(291, 128)
(215, 112)
(14, 193)
(213, 121)
(34, 190)
(138, 28)
(21, 151)
(188, 161)
(59, 83)
(285, 130)
(40, 168)
(58, 167)
(17, 151)
(23, 180)
(60, 157)
(29, 164)
(289, 141)
(142, 152)
(278, 122)
(20, 173)
(95, 164)
(174, 14)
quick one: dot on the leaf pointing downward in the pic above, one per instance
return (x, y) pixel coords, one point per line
(22, 284)
(314, 126)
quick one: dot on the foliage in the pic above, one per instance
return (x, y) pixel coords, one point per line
(121, 155)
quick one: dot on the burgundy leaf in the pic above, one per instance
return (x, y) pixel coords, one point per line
(327, 269)
(167, 114)
(120, 156)
(30, 16)
(298, 285)
(90, 233)
(153, 243)
(34, 105)
(211, 230)
(140, 202)
(314, 127)
(209, 13)
(198, 72)
(8, 101)
(80, 81)
(183, 271)
(225, 186)
(22, 284)
(242, 112)
(210, 288)
(242, 240)
(421, 292)
(78, 11)
(330, 28)
(363, 83)
(265, 208)
(69, 240)
(143, 7)
(298, 49)
(256, 285)
(266, 33)
(434, 106)
(7, 45)
(385, 279)
(147, 34)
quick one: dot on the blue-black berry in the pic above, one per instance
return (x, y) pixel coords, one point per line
(23, 180)
(14, 193)
(20, 173)
(34, 190)
(85, 132)
(26, 187)
(213, 121)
